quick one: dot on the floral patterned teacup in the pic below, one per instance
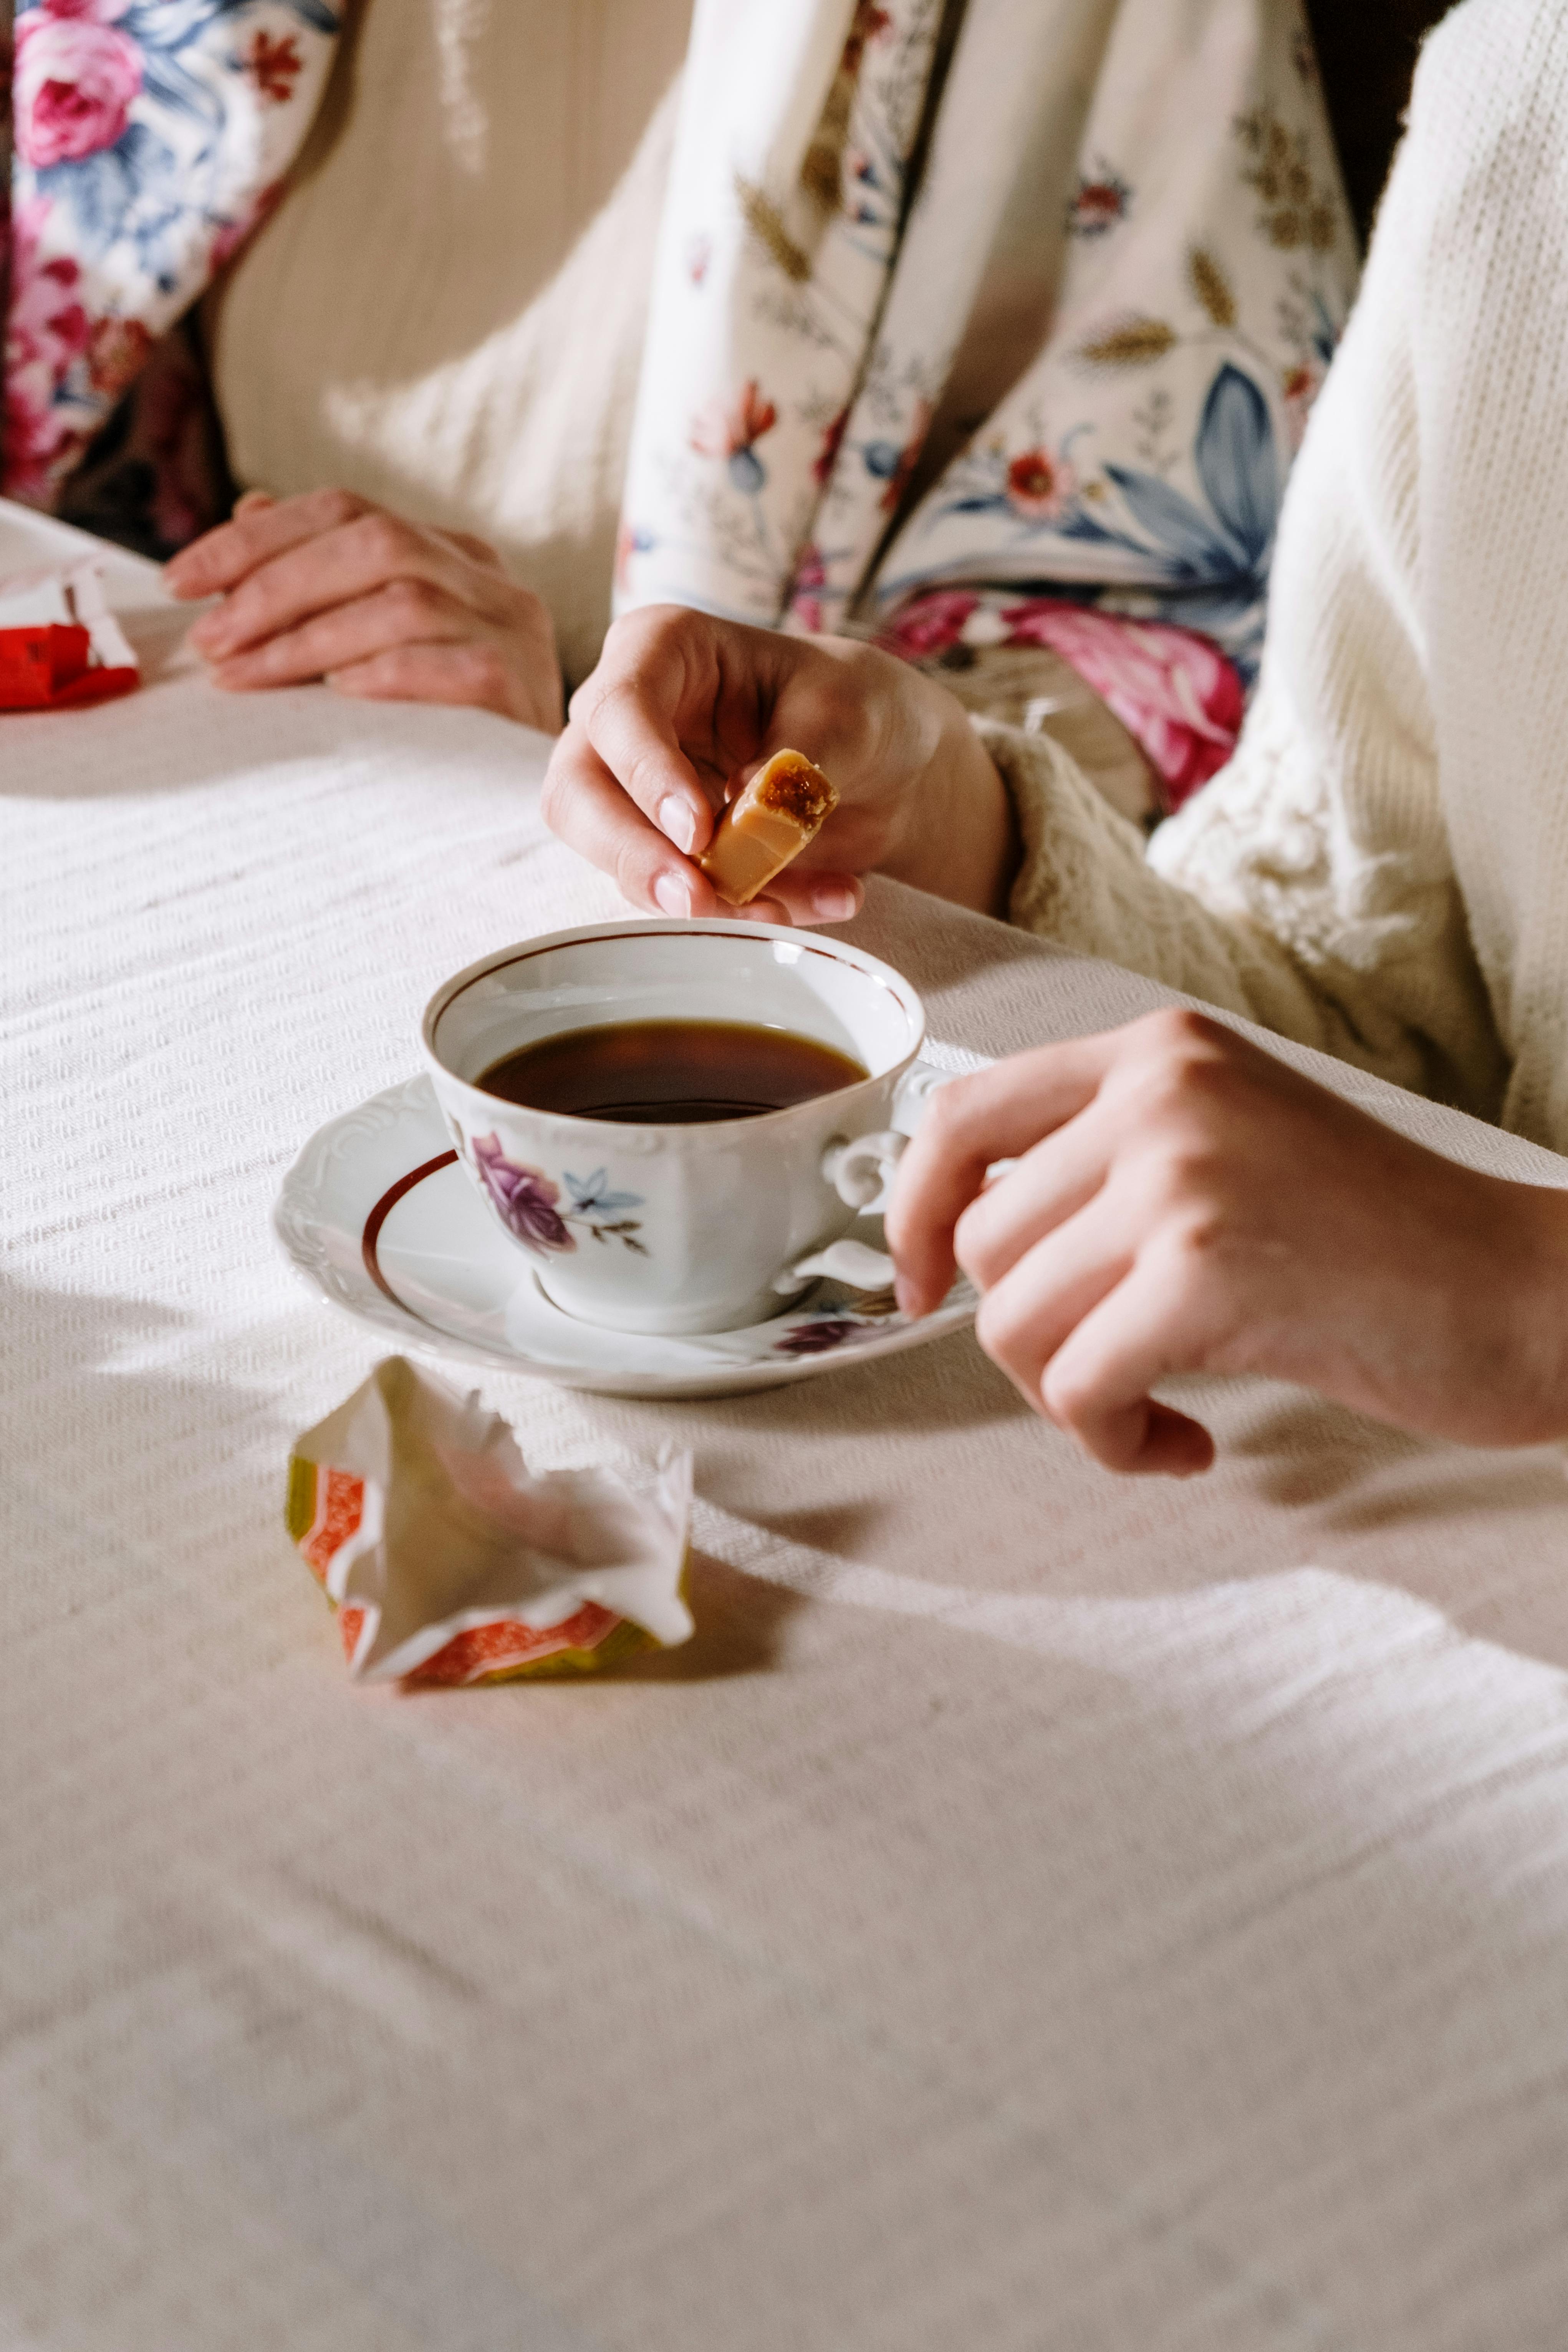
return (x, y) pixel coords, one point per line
(677, 1228)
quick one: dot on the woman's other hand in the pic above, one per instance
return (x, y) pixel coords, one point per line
(682, 711)
(329, 586)
(1182, 1201)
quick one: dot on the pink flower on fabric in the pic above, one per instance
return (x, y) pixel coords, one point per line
(806, 610)
(75, 79)
(48, 332)
(524, 1197)
(230, 234)
(1174, 691)
(931, 623)
(1039, 486)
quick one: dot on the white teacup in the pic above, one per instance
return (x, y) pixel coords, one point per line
(678, 1228)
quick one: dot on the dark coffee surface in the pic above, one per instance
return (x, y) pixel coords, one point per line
(671, 1073)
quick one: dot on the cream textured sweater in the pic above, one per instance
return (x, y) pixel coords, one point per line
(1383, 868)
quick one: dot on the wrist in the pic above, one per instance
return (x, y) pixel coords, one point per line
(957, 834)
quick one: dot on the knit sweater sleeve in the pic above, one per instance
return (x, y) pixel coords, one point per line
(1312, 884)
(1087, 882)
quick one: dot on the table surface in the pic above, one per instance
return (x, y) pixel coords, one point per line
(1035, 1911)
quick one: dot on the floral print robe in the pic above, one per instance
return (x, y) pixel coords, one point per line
(846, 197)
(150, 136)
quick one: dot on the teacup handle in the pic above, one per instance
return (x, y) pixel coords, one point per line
(854, 1262)
(860, 1170)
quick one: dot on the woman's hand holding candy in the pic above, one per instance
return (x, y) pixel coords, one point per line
(683, 708)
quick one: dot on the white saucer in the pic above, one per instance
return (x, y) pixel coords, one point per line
(377, 1217)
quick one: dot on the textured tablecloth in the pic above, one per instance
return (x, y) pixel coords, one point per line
(1038, 1913)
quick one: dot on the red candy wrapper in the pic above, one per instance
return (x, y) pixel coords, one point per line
(60, 646)
(448, 1562)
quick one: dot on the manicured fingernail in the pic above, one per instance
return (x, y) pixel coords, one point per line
(834, 902)
(905, 1294)
(673, 893)
(677, 823)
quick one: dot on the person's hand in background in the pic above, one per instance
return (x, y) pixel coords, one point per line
(1183, 1202)
(681, 711)
(329, 586)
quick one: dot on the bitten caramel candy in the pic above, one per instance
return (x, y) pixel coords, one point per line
(785, 806)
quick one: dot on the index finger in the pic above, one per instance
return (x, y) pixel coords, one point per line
(997, 1114)
(633, 730)
(222, 558)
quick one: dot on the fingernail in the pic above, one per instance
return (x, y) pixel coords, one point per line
(906, 1295)
(211, 632)
(676, 821)
(673, 893)
(835, 902)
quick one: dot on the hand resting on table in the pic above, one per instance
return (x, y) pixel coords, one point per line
(1182, 1201)
(329, 586)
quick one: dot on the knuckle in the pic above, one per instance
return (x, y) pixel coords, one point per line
(1002, 1328)
(1181, 1188)
(334, 507)
(947, 1110)
(1188, 1075)
(553, 795)
(1181, 1028)
(414, 602)
(248, 605)
(485, 672)
(383, 540)
(627, 874)
(661, 622)
(1068, 1394)
(388, 672)
(973, 1248)
(642, 778)
(584, 702)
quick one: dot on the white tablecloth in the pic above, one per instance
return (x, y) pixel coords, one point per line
(1038, 1913)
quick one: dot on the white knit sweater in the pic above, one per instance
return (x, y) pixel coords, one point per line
(1383, 868)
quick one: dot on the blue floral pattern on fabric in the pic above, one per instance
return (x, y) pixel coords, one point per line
(1204, 566)
(810, 317)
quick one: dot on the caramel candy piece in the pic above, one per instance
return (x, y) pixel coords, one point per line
(786, 805)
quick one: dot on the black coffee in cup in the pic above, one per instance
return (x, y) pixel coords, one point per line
(671, 1073)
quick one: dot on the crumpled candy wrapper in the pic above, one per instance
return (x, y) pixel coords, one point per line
(61, 645)
(447, 1562)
